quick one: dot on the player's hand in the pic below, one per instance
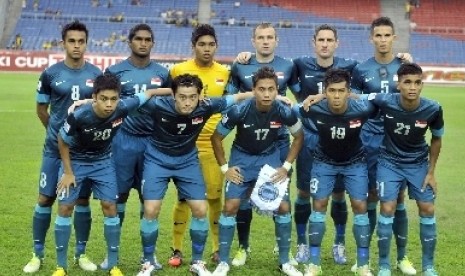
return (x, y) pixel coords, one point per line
(311, 100)
(284, 99)
(430, 180)
(77, 104)
(243, 57)
(66, 181)
(279, 175)
(405, 57)
(233, 174)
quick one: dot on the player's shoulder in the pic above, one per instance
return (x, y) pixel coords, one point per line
(81, 112)
(430, 103)
(284, 60)
(345, 63)
(157, 66)
(92, 69)
(121, 65)
(55, 68)
(220, 67)
(305, 60)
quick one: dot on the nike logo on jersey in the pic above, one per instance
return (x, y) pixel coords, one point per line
(369, 79)
(248, 77)
(124, 82)
(247, 126)
(319, 122)
(309, 76)
(389, 116)
(164, 120)
(59, 82)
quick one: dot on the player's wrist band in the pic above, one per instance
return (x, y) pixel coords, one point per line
(224, 168)
(287, 165)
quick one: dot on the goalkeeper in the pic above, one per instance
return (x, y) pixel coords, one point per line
(258, 121)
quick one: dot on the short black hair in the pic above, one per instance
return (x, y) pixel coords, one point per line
(324, 27)
(382, 21)
(336, 76)
(107, 81)
(264, 25)
(409, 69)
(187, 80)
(74, 26)
(201, 30)
(266, 72)
(140, 27)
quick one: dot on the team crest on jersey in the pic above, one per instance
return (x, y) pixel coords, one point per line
(355, 123)
(421, 123)
(90, 83)
(197, 120)
(116, 122)
(219, 81)
(280, 75)
(274, 124)
(155, 81)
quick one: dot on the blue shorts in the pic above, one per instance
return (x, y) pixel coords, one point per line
(128, 154)
(49, 176)
(99, 176)
(284, 147)
(184, 170)
(372, 143)
(249, 166)
(354, 178)
(393, 177)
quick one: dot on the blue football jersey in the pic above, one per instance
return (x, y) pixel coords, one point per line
(372, 77)
(59, 86)
(256, 132)
(134, 80)
(339, 140)
(175, 134)
(240, 79)
(89, 136)
(404, 131)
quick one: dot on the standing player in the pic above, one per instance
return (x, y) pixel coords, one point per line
(84, 142)
(214, 77)
(339, 155)
(378, 74)
(264, 41)
(172, 154)
(405, 157)
(60, 85)
(137, 74)
(262, 118)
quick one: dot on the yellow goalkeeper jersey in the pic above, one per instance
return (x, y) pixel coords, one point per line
(214, 79)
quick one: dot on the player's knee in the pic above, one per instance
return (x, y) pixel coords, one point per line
(65, 210)
(320, 205)
(108, 208)
(284, 208)
(426, 209)
(388, 208)
(359, 206)
(199, 209)
(45, 201)
(231, 207)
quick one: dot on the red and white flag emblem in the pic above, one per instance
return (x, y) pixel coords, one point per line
(421, 123)
(355, 123)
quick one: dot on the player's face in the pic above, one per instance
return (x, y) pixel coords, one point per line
(383, 38)
(325, 44)
(75, 44)
(205, 49)
(105, 102)
(186, 99)
(265, 92)
(410, 87)
(141, 44)
(265, 41)
(337, 95)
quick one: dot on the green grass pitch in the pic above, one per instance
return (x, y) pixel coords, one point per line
(22, 135)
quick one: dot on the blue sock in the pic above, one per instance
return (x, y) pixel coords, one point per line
(243, 220)
(371, 209)
(400, 229)
(112, 233)
(149, 236)
(40, 224)
(62, 234)
(199, 233)
(384, 240)
(226, 236)
(302, 210)
(339, 215)
(121, 209)
(316, 230)
(82, 223)
(428, 241)
(283, 228)
(361, 230)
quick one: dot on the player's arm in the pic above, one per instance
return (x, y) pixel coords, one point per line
(296, 146)
(437, 130)
(356, 81)
(405, 57)
(161, 91)
(42, 113)
(67, 179)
